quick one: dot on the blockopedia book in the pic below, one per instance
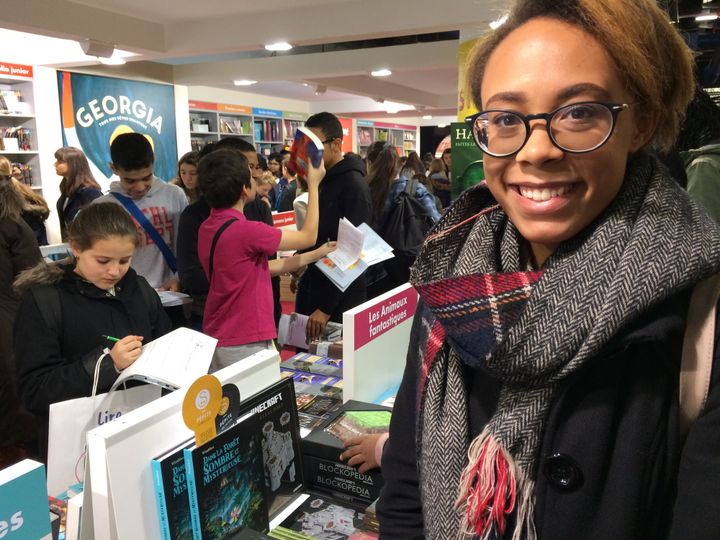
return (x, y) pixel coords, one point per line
(171, 494)
(306, 148)
(226, 483)
(24, 509)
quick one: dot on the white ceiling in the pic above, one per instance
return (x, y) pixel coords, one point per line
(195, 38)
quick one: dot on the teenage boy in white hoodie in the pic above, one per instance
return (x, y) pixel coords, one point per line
(161, 204)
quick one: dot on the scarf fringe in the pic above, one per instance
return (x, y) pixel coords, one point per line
(491, 488)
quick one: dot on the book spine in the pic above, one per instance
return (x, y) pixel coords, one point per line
(160, 498)
(192, 495)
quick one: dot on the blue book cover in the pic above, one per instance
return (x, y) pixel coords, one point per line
(24, 501)
(171, 494)
(226, 483)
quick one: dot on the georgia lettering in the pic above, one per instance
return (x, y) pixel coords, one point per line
(120, 108)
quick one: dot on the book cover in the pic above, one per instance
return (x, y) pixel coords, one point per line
(313, 363)
(313, 383)
(171, 494)
(306, 148)
(275, 412)
(325, 518)
(322, 449)
(24, 501)
(226, 483)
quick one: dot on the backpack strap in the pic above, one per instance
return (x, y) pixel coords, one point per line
(152, 232)
(698, 351)
(47, 299)
(214, 243)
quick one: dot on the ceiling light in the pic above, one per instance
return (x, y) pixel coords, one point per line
(706, 17)
(320, 89)
(427, 117)
(381, 73)
(244, 82)
(442, 125)
(112, 61)
(278, 46)
(497, 23)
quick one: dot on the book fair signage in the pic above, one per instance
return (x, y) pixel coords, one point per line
(16, 70)
(272, 113)
(384, 316)
(95, 110)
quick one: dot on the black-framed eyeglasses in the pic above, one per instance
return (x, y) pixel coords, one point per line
(576, 128)
(330, 141)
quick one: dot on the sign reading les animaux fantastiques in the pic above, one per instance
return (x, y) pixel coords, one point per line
(95, 110)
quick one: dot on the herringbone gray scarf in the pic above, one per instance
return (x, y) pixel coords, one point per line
(651, 242)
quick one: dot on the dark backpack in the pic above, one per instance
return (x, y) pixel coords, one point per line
(405, 228)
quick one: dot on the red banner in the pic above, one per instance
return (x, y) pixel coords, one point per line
(348, 134)
(16, 70)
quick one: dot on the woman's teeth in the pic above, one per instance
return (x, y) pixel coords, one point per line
(544, 194)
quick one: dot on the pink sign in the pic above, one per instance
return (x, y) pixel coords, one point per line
(374, 321)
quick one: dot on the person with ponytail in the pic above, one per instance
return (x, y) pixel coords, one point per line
(540, 398)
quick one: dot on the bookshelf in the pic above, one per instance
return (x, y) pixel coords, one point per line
(403, 138)
(268, 135)
(266, 129)
(289, 129)
(18, 129)
(409, 141)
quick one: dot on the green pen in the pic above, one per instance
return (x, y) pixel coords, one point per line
(110, 338)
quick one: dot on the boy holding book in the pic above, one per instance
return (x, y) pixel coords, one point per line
(233, 252)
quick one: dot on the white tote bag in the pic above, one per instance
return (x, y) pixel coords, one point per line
(71, 420)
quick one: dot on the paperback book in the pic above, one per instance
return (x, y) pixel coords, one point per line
(226, 483)
(171, 494)
(325, 518)
(313, 363)
(306, 149)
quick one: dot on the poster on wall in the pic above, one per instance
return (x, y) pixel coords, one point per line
(94, 110)
(467, 159)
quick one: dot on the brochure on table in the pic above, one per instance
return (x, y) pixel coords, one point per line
(376, 335)
(119, 453)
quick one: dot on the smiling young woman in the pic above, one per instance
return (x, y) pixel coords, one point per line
(540, 399)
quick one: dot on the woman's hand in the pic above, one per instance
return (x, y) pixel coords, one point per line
(126, 351)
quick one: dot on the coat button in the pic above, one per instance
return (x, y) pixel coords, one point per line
(563, 472)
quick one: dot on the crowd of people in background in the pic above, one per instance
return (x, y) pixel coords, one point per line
(209, 232)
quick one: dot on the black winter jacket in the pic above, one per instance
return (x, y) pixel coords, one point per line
(57, 365)
(612, 465)
(343, 193)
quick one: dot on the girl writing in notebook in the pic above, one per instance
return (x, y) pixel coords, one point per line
(67, 313)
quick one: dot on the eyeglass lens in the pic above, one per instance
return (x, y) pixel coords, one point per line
(577, 128)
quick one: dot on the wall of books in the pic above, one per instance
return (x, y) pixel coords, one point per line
(18, 134)
(402, 137)
(267, 129)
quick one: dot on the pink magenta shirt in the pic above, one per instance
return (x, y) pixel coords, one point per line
(239, 306)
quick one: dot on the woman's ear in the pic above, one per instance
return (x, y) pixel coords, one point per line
(645, 124)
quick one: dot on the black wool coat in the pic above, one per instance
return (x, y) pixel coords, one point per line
(612, 465)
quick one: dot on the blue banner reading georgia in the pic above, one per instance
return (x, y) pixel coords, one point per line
(95, 110)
